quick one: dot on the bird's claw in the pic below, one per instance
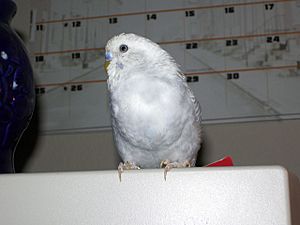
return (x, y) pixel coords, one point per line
(168, 165)
(126, 166)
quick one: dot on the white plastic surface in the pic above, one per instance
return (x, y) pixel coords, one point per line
(206, 196)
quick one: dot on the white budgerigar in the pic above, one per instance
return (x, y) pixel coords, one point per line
(155, 116)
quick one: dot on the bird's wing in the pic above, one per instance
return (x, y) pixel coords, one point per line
(197, 106)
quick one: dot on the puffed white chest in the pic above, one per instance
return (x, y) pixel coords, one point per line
(148, 108)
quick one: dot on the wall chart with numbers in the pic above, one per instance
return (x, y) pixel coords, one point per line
(241, 58)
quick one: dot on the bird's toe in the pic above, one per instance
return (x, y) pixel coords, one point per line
(126, 166)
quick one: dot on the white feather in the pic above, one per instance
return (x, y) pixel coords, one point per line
(155, 115)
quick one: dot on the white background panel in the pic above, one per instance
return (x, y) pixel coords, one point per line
(170, 28)
(128, 24)
(162, 5)
(254, 76)
(121, 6)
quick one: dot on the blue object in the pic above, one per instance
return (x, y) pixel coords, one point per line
(108, 56)
(17, 96)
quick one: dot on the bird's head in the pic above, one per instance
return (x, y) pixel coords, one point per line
(130, 52)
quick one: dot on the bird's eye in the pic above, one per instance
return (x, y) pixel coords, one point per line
(123, 48)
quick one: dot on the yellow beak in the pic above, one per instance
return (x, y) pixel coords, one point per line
(106, 64)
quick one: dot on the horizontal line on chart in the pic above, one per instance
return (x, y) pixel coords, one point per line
(69, 51)
(241, 70)
(231, 37)
(71, 83)
(186, 74)
(163, 11)
(178, 42)
(289, 116)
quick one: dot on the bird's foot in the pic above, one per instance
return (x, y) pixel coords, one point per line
(168, 165)
(126, 166)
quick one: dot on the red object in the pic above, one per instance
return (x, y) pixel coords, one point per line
(226, 161)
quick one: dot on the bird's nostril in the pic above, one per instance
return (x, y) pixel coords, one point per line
(108, 56)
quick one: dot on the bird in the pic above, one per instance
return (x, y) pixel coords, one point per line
(155, 117)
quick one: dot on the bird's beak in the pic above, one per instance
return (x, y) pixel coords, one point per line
(106, 64)
(108, 58)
